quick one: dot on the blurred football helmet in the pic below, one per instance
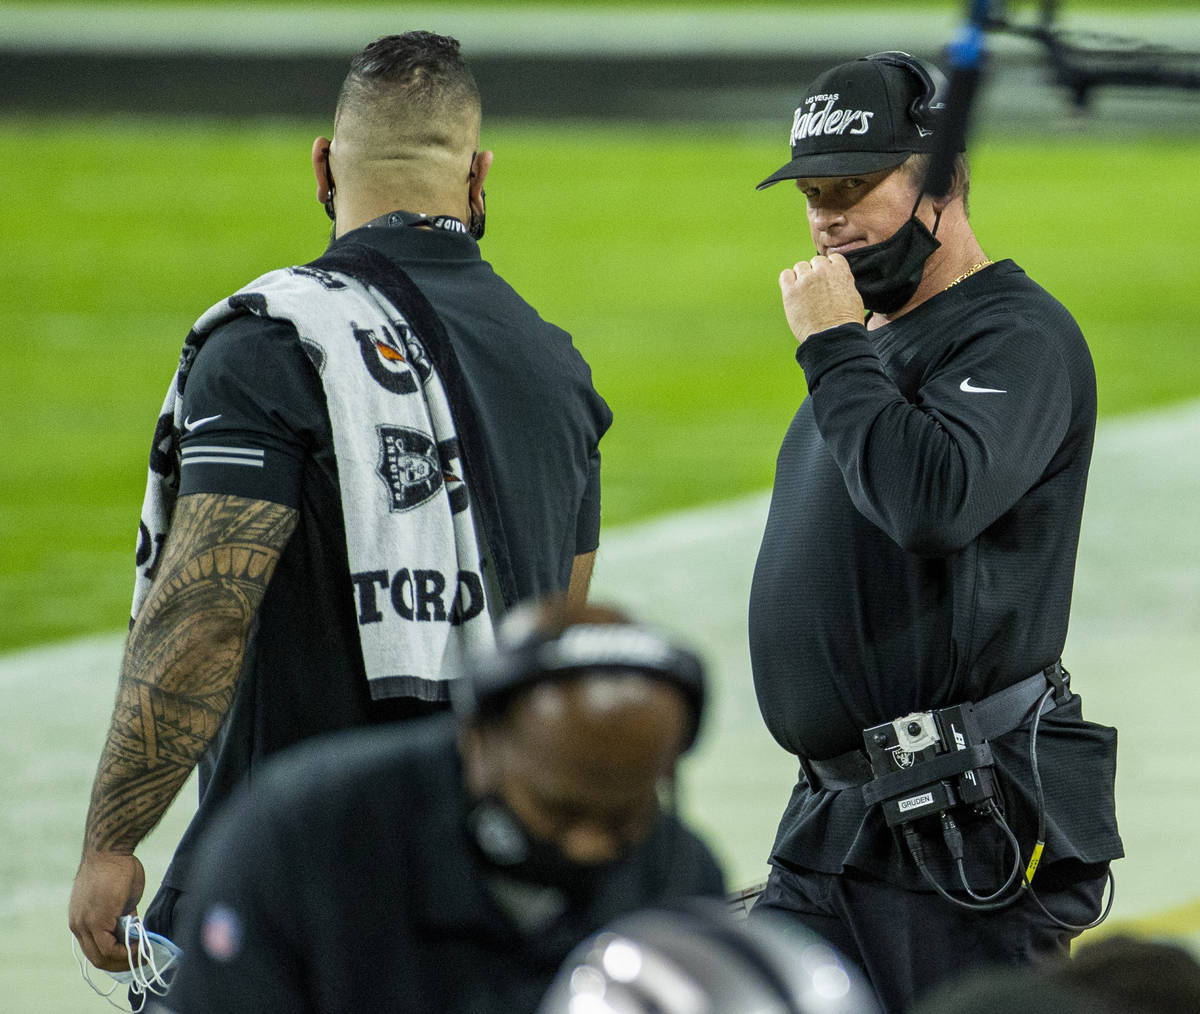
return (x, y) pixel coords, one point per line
(701, 960)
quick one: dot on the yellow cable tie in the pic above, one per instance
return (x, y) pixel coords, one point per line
(1034, 859)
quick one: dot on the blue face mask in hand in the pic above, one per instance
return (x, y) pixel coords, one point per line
(152, 962)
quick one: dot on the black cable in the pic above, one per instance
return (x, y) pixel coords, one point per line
(953, 838)
(954, 843)
(1077, 928)
(917, 851)
(1035, 858)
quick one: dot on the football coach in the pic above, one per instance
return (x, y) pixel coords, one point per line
(910, 599)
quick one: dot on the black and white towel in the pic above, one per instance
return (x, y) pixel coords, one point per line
(405, 499)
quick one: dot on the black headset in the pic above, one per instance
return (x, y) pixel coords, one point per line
(927, 108)
(524, 658)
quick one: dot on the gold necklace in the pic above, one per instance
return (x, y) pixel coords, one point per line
(969, 272)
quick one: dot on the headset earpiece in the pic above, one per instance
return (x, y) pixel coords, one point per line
(926, 109)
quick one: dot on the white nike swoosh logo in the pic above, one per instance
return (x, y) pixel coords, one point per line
(189, 425)
(970, 388)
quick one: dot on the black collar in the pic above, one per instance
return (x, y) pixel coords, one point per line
(417, 219)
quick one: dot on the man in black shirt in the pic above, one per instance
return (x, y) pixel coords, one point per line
(919, 554)
(451, 870)
(360, 464)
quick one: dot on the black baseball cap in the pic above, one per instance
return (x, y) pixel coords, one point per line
(862, 116)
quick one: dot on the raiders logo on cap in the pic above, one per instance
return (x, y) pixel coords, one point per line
(864, 116)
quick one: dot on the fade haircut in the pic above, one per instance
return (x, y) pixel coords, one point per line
(410, 79)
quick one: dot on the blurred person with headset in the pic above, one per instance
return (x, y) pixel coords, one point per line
(360, 464)
(909, 604)
(454, 868)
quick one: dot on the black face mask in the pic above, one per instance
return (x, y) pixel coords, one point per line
(506, 846)
(887, 274)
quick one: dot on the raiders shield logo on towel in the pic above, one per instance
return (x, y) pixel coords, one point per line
(409, 465)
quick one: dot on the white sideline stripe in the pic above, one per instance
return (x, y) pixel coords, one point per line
(601, 29)
(483, 29)
(1133, 625)
(1145, 444)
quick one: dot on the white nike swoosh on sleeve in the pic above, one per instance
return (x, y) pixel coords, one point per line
(189, 425)
(970, 388)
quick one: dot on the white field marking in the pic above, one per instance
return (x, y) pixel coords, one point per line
(754, 29)
(1132, 648)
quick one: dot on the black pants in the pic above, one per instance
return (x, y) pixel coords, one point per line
(906, 942)
(169, 913)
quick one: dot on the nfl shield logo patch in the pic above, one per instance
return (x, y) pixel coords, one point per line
(221, 933)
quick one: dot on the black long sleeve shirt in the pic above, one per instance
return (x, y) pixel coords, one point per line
(920, 546)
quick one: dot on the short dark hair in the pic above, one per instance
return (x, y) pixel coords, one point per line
(426, 67)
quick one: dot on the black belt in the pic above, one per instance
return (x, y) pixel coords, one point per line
(1002, 712)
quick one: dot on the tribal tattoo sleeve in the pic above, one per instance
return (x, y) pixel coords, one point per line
(183, 659)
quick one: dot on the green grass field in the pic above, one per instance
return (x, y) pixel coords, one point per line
(650, 245)
(1022, 7)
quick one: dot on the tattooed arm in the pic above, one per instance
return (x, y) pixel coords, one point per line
(178, 678)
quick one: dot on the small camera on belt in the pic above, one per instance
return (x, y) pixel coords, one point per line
(927, 762)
